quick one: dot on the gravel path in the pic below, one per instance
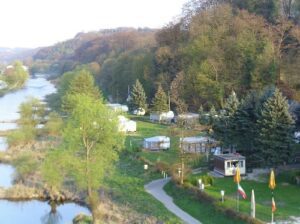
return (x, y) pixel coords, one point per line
(155, 188)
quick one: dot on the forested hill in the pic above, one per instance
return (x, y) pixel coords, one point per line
(215, 47)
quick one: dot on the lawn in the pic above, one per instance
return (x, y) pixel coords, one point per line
(204, 212)
(286, 197)
(128, 180)
(145, 129)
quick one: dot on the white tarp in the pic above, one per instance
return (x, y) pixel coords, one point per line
(157, 143)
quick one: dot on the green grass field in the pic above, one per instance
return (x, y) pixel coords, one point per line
(199, 210)
(286, 197)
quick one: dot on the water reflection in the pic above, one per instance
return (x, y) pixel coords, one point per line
(52, 217)
(37, 212)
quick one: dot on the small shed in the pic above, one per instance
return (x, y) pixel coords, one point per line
(165, 117)
(118, 107)
(189, 118)
(226, 164)
(126, 125)
(157, 143)
(196, 144)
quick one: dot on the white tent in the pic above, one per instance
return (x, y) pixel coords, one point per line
(157, 143)
(165, 117)
(126, 125)
(140, 112)
(118, 107)
(196, 144)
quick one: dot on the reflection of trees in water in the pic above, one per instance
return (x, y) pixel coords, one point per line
(53, 217)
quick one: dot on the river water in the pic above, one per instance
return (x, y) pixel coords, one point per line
(28, 212)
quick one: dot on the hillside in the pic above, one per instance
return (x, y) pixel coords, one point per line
(8, 55)
(214, 48)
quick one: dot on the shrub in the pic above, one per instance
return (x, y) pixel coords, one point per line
(207, 180)
(21, 136)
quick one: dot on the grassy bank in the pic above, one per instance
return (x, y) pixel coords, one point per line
(126, 186)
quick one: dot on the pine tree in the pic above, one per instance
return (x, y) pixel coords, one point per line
(224, 126)
(160, 101)
(275, 130)
(231, 104)
(244, 124)
(137, 97)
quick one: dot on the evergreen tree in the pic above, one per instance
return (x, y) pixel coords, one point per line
(275, 130)
(231, 104)
(160, 101)
(137, 97)
(244, 124)
(224, 126)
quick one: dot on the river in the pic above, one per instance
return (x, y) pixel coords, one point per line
(28, 212)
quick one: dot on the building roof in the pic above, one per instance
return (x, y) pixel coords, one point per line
(196, 139)
(188, 116)
(230, 156)
(158, 139)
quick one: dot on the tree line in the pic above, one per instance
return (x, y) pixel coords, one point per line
(215, 47)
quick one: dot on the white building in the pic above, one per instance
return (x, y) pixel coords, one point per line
(126, 125)
(164, 117)
(157, 143)
(226, 164)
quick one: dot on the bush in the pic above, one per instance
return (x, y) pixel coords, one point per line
(207, 180)
(21, 136)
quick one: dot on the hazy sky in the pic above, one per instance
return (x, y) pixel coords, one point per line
(33, 23)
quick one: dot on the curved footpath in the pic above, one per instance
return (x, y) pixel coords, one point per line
(155, 188)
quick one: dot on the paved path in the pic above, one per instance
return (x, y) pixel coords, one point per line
(155, 188)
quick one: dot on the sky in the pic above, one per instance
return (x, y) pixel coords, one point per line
(36, 23)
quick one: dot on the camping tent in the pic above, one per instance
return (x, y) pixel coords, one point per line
(157, 143)
(126, 125)
(165, 117)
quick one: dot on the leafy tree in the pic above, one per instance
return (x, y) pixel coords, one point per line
(137, 97)
(177, 88)
(82, 83)
(90, 147)
(275, 130)
(16, 76)
(32, 113)
(160, 101)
